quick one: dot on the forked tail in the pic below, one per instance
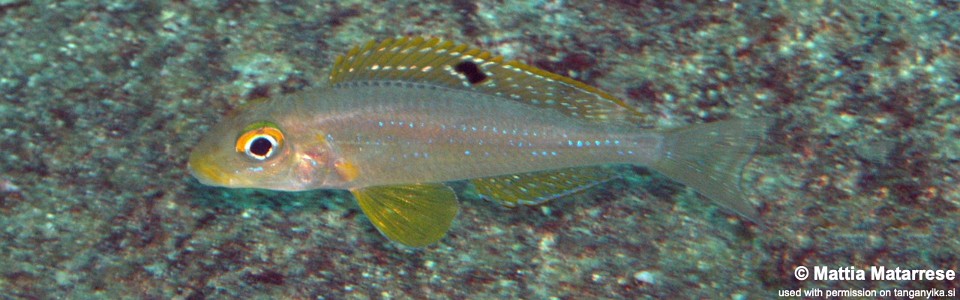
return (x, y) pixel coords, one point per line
(710, 157)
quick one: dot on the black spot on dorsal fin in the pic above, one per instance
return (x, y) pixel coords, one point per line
(470, 70)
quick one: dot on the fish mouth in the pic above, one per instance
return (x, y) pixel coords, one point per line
(207, 173)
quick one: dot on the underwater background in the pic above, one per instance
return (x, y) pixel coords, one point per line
(102, 102)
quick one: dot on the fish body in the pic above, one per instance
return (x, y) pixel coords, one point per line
(399, 134)
(403, 116)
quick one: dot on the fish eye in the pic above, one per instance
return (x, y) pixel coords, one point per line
(260, 140)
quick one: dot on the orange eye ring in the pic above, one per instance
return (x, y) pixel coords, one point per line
(260, 140)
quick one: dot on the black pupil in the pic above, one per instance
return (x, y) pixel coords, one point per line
(260, 146)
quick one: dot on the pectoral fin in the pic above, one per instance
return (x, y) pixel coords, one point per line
(415, 215)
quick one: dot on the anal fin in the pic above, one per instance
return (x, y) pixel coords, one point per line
(538, 187)
(415, 215)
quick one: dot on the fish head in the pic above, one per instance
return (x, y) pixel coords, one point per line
(260, 148)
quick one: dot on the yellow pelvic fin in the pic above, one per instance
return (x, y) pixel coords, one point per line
(415, 215)
(538, 187)
(459, 66)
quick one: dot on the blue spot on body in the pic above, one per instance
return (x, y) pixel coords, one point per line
(466, 152)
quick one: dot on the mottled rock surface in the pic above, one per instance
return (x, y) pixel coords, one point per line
(103, 100)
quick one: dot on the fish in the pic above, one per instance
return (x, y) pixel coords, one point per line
(402, 117)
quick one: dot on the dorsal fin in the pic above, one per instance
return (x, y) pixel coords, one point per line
(459, 66)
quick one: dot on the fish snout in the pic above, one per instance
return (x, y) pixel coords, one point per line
(206, 172)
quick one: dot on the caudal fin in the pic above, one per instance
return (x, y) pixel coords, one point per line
(710, 157)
